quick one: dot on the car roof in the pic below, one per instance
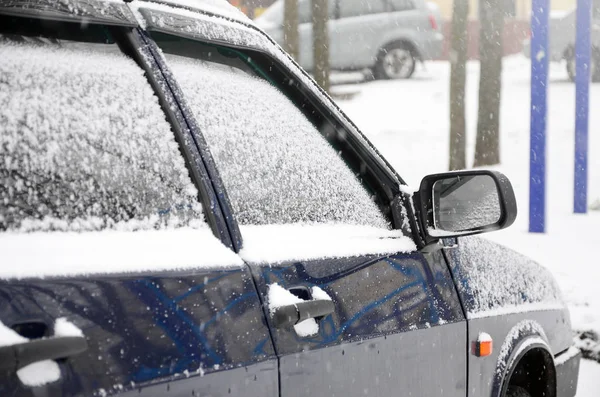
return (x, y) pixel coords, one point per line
(221, 8)
(116, 12)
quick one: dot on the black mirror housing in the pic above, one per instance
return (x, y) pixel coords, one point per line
(463, 203)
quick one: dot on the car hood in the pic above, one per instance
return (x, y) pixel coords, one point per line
(493, 278)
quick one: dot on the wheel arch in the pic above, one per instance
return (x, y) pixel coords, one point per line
(525, 360)
(406, 41)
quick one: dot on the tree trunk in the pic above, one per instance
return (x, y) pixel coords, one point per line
(487, 147)
(320, 43)
(291, 39)
(458, 77)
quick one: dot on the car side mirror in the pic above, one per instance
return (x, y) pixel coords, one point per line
(463, 203)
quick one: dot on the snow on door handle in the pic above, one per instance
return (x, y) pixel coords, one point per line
(17, 356)
(293, 314)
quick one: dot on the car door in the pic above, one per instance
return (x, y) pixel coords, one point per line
(388, 316)
(112, 279)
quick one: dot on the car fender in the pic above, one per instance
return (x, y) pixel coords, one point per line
(492, 279)
(522, 338)
(511, 298)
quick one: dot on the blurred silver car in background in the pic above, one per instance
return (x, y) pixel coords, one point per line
(387, 37)
(562, 41)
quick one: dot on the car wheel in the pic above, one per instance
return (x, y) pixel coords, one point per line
(594, 70)
(517, 391)
(396, 61)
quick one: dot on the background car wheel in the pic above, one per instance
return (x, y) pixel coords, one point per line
(396, 61)
(517, 391)
(594, 70)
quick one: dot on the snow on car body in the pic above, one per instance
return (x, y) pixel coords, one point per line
(210, 223)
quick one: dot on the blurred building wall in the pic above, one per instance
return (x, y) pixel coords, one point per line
(516, 28)
(519, 9)
(252, 8)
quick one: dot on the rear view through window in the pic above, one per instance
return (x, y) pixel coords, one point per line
(84, 144)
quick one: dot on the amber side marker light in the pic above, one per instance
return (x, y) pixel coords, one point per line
(483, 346)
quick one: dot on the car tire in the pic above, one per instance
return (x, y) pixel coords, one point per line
(517, 391)
(395, 61)
(595, 70)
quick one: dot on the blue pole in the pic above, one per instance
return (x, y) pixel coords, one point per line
(537, 147)
(582, 96)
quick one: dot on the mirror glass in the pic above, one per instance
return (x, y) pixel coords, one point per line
(464, 203)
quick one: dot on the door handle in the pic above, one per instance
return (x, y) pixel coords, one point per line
(287, 315)
(15, 357)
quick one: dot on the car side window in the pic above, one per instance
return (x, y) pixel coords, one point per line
(84, 144)
(275, 164)
(401, 5)
(354, 8)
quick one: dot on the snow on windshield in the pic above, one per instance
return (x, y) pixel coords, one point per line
(276, 165)
(84, 144)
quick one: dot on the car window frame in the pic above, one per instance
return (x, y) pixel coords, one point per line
(313, 105)
(239, 35)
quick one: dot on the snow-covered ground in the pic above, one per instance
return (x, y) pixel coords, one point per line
(409, 123)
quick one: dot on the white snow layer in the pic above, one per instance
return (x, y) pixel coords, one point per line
(63, 327)
(40, 373)
(497, 278)
(319, 294)
(217, 7)
(9, 337)
(276, 165)
(281, 243)
(278, 297)
(91, 149)
(68, 254)
(35, 374)
(484, 337)
(566, 356)
(520, 308)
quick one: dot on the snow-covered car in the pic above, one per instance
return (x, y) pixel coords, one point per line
(184, 212)
(385, 37)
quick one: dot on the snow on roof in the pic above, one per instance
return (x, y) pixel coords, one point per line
(220, 8)
(93, 11)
